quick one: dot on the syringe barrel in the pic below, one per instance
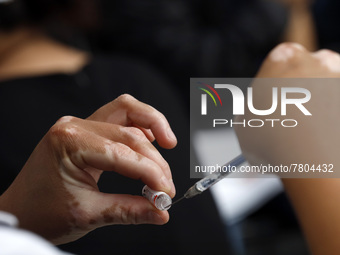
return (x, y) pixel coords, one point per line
(193, 191)
(213, 178)
(208, 181)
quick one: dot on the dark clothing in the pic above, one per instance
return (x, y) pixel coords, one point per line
(193, 38)
(326, 15)
(30, 106)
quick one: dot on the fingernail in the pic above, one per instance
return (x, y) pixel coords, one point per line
(298, 46)
(171, 135)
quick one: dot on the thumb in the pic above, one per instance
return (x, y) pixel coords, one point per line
(111, 209)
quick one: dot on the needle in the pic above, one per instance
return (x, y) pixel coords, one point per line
(175, 202)
(210, 180)
(191, 192)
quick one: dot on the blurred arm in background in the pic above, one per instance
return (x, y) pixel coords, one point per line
(316, 201)
(300, 27)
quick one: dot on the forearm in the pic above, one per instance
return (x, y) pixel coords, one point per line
(317, 205)
(314, 141)
(301, 28)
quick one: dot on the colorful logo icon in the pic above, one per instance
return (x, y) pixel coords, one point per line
(204, 97)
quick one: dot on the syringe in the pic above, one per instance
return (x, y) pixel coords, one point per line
(211, 179)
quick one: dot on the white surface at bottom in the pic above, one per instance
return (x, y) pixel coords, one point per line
(235, 198)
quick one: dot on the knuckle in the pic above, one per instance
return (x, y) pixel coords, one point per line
(66, 119)
(133, 136)
(158, 118)
(124, 99)
(120, 150)
(135, 133)
(295, 46)
(328, 59)
(153, 170)
(287, 52)
(63, 131)
(289, 45)
(326, 52)
(128, 216)
(120, 214)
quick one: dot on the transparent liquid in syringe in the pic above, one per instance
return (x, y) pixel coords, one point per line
(207, 182)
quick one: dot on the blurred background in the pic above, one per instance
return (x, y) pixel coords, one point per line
(69, 57)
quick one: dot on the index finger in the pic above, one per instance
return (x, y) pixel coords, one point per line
(128, 111)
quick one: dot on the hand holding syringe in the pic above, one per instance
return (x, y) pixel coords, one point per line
(199, 186)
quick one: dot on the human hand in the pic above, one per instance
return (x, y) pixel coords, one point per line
(314, 141)
(271, 144)
(292, 60)
(56, 193)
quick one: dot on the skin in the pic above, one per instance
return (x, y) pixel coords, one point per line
(316, 201)
(56, 193)
(26, 52)
(300, 27)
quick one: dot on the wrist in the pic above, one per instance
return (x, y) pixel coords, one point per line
(301, 8)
